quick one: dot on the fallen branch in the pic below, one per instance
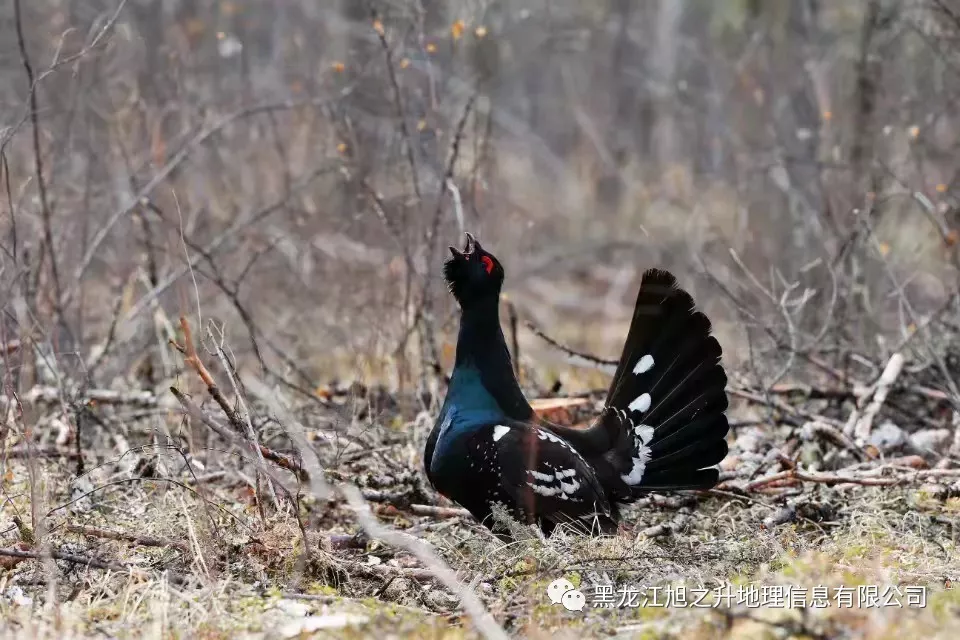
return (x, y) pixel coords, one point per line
(400, 500)
(41, 452)
(92, 563)
(52, 395)
(439, 512)
(387, 571)
(779, 404)
(891, 372)
(338, 599)
(792, 475)
(143, 541)
(876, 477)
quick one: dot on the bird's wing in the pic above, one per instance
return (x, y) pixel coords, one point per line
(542, 474)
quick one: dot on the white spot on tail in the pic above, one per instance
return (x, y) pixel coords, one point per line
(644, 433)
(641, 403)
(644, 364)
(639, 465)
(499, 431)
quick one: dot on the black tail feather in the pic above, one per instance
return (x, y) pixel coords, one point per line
(669, 380)
(680, 480)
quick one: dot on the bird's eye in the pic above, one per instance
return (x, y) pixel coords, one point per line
(487, 262)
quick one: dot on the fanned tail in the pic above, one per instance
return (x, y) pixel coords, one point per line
(668, 391)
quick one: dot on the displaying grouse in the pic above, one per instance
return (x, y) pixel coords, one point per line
(662, 427)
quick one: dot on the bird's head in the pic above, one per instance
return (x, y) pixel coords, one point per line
(472, 274)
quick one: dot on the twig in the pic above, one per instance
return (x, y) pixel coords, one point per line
(439, 512)
(281, 460)
(42, 394)
(204, 134)
(576, 358)
(89, 562)
(247, 422)
(242, 222)
(398, 103)
(485, 623)
(780, 405)
(887, 379)
(335, 599)
(45, 212)
(871, 478)
(50, 452)
(144, 541)
(192, 360)
(818, 478)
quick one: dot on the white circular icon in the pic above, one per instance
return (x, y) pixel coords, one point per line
(557, 588)
(561, 591)
(573, 600)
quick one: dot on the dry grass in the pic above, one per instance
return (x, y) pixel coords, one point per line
(238, 568)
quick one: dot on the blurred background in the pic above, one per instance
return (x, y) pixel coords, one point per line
(290, 172)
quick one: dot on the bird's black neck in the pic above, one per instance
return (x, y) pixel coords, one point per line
(481, 344)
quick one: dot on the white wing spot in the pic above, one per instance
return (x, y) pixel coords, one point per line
(570, 487)
(641, 403)
(644, 364)
(544, 491)
(499, 431)
(544, 477)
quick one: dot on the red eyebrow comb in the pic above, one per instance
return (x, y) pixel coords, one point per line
(487, 262)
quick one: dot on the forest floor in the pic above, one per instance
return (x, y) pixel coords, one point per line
(157, 526)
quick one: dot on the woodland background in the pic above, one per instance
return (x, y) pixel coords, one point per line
(286, 175)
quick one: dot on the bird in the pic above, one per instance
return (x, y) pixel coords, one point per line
(662, 426)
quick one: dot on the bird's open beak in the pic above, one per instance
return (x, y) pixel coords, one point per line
(469, 246)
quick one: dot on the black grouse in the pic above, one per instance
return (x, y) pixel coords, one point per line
(662, 427)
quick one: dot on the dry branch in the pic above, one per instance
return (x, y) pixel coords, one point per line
(277, 458)
(875, 477)
(891, 372)
(574, 357)
(192, 360)
(86, 561)
(438, 512)
(143, 541)
(42, 394)
(40, 452)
